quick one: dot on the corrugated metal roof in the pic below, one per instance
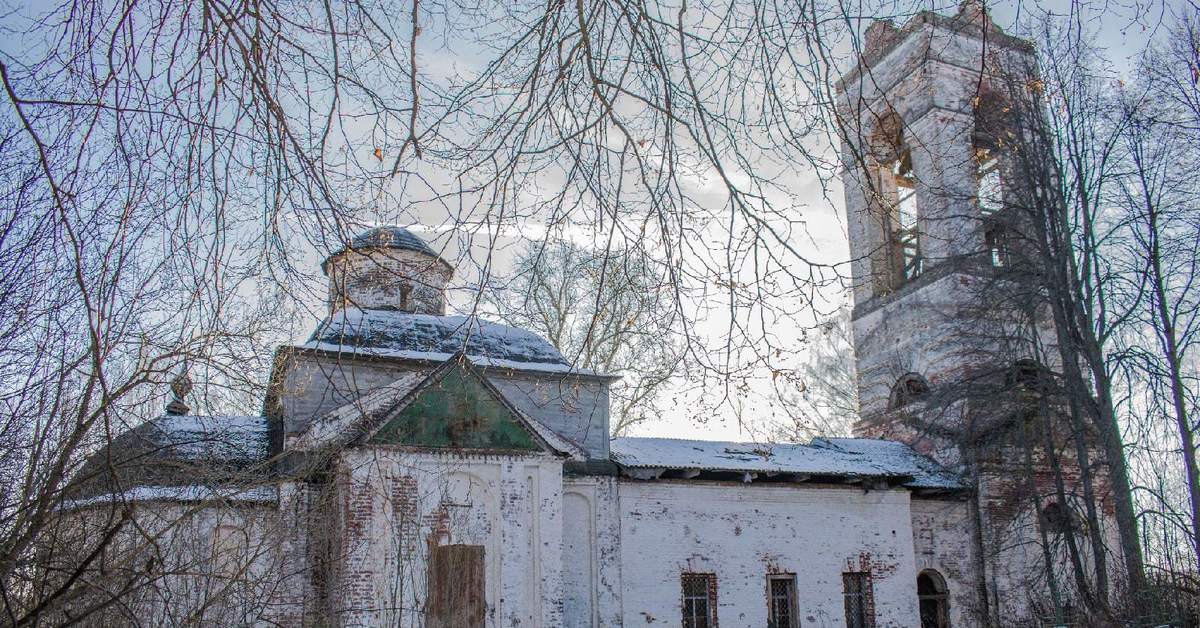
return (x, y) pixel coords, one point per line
(926, 472)
(837, 457)
(184, 493)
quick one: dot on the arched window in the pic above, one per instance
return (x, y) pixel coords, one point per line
(990, 138)
(1027, 374)
(1057, 519)
(910, 387)
(934, 600)
(901, 260)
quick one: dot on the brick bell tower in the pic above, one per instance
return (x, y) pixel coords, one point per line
(927, 184)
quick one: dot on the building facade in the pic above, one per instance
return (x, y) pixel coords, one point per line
(416, 469)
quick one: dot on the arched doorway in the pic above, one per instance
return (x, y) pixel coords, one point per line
(934, 600)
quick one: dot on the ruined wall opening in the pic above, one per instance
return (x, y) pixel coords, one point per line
(909, 388)
(899, 259)
(934, 599)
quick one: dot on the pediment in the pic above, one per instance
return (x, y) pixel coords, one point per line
(452, 406)
(457, 409)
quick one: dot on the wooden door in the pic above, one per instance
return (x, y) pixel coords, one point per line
(456, 587)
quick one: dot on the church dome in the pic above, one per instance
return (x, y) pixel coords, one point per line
(385, 237)
(388, 268)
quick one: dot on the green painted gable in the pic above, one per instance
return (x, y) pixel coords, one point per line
(458, 410)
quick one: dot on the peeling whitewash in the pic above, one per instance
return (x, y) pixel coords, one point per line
(394, 505)
(742, 535)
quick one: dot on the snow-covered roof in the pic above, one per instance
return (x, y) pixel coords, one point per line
(850, 458)
(221, 437)
(926, 473)
(403, 335)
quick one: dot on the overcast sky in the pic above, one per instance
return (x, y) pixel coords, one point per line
(1121, 28)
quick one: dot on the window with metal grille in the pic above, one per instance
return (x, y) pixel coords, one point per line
(857, 597)
(699, 600)
(782, 613)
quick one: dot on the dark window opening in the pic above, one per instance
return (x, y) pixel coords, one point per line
(1057, 519)
(933, 600)
(1027, 374)
(910, 387)
(456, 587)
(699, 600)
(405, 295)
(858, 600)
(995, 239)
(782, 613)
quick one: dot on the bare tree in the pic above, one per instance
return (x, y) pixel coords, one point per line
(1156, 193)
(605, 312)
(821, 396)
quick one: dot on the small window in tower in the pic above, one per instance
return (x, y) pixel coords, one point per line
(783, 611)
(858, 600)
(1058, 519)
(995, 238)
(910, 387)
(405, 296)
(699, 600)
(991, 187)
(1028, 375)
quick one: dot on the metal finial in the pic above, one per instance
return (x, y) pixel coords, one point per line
(181, 387)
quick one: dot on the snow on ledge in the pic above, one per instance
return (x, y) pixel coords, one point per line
(836, 457)
(189, 493)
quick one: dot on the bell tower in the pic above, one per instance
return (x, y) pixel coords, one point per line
(933, 200)
(921, 180)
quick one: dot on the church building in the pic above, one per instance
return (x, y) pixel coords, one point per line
(414, 468)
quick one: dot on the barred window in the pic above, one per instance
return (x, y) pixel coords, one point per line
(857, 597)
(699, 600)
(782, 613)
